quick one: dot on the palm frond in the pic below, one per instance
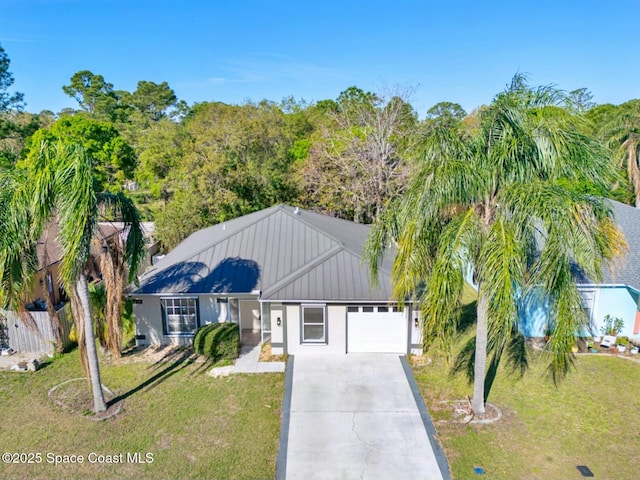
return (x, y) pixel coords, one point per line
(440, 302)
(18, 254)
(569, 225)
(464, 362)
(77, 210)
(382, 236)
(567, 317)
(122, 208)
(502, 264)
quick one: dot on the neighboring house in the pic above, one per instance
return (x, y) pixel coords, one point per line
(152, 245)
(617, 295)
(290, 275)
(13, 332)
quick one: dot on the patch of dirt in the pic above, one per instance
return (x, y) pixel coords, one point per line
(159, 353)
(164, 441)
(420, 360)
(460, 411)
(8, 361)
(75, 396)
(266, 356)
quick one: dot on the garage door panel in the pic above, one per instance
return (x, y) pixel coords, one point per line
(377, 332)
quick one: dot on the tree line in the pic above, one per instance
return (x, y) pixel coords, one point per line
(187, 167)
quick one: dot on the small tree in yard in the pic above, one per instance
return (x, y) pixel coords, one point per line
(491, 200)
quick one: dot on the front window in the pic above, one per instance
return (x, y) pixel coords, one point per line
(180, 315)
(313, 324)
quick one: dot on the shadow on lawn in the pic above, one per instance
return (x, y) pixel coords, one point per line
(175, 362)
(179, 364)
(514, 348)
(187, 356)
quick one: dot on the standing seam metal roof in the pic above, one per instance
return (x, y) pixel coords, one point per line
(288, 254)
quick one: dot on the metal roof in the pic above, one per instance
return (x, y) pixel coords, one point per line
(288, 254)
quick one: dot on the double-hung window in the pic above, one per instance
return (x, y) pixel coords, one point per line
(314, 324)
(180, 315)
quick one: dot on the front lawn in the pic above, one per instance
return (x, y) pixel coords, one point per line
(192, 425)
(591, 419)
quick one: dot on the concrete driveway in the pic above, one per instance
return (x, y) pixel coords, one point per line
(356, 416)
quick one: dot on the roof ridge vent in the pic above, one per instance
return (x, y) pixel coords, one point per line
(297, 211)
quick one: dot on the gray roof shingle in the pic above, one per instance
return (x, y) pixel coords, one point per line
(626, 270)
(287, 253)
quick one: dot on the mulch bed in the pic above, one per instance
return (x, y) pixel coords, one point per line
(267, 356)
(463, 413)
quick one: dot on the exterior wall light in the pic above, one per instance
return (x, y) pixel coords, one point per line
(416, 322)
(278, 321)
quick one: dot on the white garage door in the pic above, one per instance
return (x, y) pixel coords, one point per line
(376, 330)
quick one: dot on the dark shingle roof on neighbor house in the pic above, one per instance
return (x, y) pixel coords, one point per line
(48, 247)
(626, 270)
(286, 253)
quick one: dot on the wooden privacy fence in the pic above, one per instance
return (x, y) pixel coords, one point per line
(23, 340)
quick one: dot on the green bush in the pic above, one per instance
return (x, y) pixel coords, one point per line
(218, 341)
(622, 341)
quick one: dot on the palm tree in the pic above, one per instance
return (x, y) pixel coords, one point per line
(60, 187)
(489, 202)
(622, 133)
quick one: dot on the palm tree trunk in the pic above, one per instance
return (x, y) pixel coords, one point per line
(78, 323)
(480, 364)
(99, 404)
(633, 171)
(112, 267)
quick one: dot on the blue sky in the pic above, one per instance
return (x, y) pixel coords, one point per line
(232, 51)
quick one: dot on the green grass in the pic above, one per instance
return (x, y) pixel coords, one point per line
(194, 426)
(592, 418)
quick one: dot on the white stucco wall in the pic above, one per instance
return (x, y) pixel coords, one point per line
(210, 310)
(336, 317)
(277, 332)
(250, 315)
(416, 331)
(337, 329)
(148, 315)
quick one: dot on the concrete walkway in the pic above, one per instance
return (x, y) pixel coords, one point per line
(356, 416)
(249, 362)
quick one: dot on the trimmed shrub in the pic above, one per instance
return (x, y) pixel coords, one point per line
(218, 341)
(198, 339)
